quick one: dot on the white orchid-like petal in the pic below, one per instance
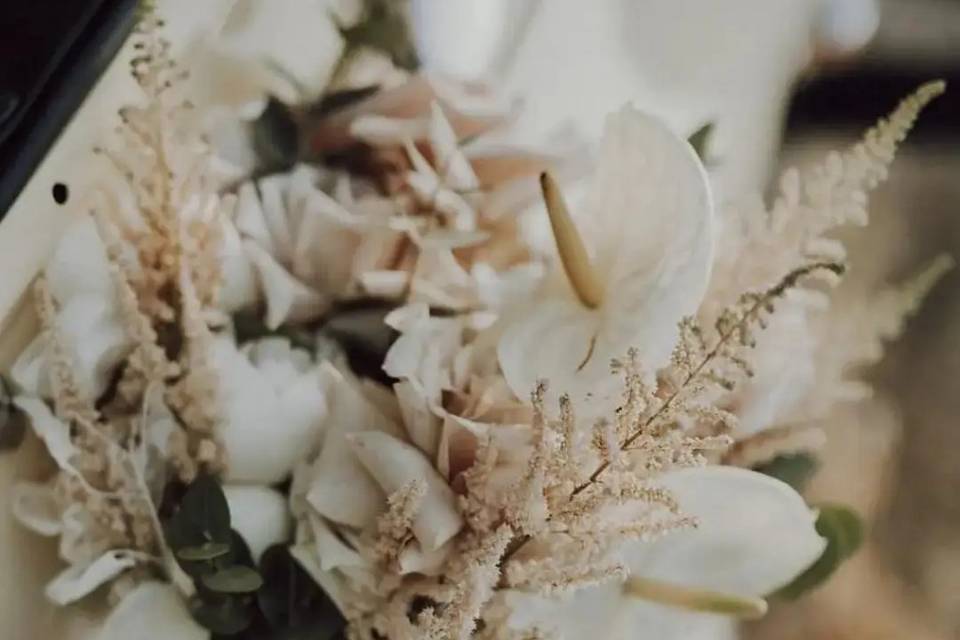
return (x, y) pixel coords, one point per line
(273, 414)
(648, 230)
(259, 514)
(755, 533)
(152, 611)
(80, 580)
(341, 489)
(395, 463)
(36, 507)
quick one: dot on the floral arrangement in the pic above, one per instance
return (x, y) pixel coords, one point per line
(402, 384)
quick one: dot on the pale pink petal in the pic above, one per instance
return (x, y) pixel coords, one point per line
(394, 464)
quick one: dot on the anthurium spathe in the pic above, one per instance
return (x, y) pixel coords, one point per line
(632, 264)
(753, 534)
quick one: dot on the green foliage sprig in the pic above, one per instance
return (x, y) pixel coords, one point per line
(237, 599)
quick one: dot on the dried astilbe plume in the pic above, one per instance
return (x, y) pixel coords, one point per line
(123, 356)
(816, 343)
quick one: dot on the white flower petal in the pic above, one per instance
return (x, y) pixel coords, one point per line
(249, 217)
(96, 340)
(239, 289)
(332, 552)
(650, 212)
(152, 611)
(78, 581)
(459, 37)
(36, 507)
(454, 166)
(421, 423)
(395, 463)
(259, 514)
(380, 131)
(755, 534)
(648, 225)
(341, 489)
(269, 425)
(79, 263)
(288, 299)
(29, 371)
(557, 341)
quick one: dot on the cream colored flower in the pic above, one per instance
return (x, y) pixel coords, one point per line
(754, 535)
(637, 261)
(272, 401)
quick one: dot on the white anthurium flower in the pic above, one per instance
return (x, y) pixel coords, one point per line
(152, 611)
(79, 280)
(636, 262)
(273, 407)
(754, 535)
(259, 514)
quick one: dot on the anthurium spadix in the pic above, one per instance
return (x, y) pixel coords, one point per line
(633, 263)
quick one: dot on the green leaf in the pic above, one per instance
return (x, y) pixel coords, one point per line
(226, 617)
(233, 580)
(844, 531)
(276, 135)
(206, 551)
(700, 140)
(203, 516)
(795, 469)
(290, 600)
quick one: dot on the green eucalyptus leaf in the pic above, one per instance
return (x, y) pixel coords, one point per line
(224, 617)
(795, 469)
(203, 516)
(700, 140)
(844, 532)
(205, 507)
(233, 580)
(205, 551)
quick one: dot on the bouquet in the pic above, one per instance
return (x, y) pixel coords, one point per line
(395, 382)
